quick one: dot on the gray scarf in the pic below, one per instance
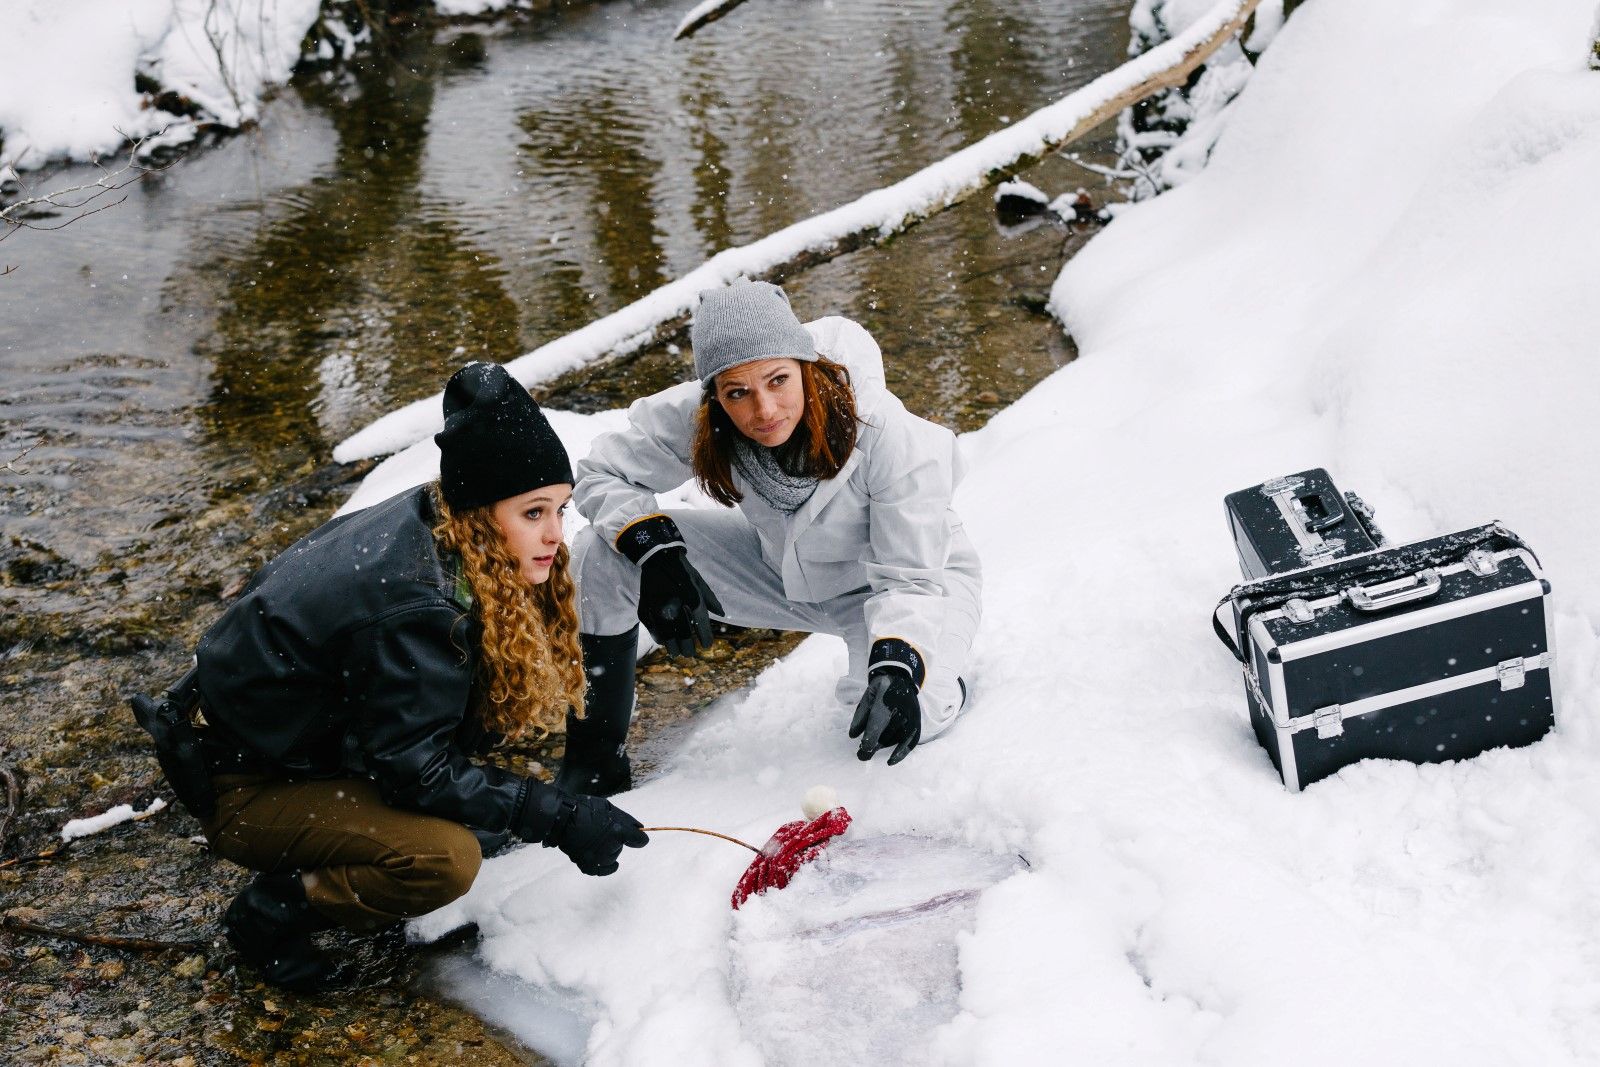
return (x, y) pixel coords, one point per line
(765, 473)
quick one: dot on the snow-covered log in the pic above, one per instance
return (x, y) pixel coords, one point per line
(871, 219)
(703, 15)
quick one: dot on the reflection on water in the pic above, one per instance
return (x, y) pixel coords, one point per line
(475, 192)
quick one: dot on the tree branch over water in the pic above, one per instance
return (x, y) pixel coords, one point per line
(870, 220)
(28, 212)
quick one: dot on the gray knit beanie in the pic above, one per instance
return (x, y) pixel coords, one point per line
(742, 323)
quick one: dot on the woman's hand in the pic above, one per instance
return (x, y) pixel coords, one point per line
(888, 714)
(675, 604)
(591, 831)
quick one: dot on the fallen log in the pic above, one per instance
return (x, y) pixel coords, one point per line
(703, 15)
(872, 219)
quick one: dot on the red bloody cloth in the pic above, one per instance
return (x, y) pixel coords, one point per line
(794, 843)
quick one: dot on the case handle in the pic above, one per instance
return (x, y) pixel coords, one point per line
(1332, 512)
(1420, 586)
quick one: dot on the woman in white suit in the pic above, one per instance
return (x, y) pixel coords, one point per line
(839, 521)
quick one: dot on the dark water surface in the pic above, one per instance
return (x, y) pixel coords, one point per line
(477, 192)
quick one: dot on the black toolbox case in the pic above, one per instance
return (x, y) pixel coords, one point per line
(1427, 652)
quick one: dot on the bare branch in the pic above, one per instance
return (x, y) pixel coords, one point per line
(8, 464)
(83, 937)
(38, 857)
(21, 214)
(217, 39)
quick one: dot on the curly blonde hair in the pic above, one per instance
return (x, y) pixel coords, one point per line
(531, 667)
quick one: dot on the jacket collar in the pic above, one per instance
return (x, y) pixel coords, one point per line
(827, 489)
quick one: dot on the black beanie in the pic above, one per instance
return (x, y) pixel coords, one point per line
(496, 443)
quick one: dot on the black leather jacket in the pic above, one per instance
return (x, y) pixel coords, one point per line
(353, 653)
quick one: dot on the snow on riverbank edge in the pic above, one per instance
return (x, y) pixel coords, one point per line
(67, 85)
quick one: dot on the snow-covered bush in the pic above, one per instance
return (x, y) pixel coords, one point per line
(1166, 140)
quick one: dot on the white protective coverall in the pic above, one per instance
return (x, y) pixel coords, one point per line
(877, 551)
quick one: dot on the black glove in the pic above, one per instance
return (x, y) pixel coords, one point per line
(675, 604)
(590, 830)
(888, 714)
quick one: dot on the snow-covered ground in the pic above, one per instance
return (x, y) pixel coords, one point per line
(1388, 267)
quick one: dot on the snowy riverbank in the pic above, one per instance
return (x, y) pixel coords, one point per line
(1387, 268)
(68, 88)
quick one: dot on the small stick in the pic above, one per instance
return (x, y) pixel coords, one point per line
(37, 857)
(13, 800)
(134, 944)
(708, 833)
(52, 853)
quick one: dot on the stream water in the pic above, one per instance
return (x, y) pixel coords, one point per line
(177, 368)
(477, 191)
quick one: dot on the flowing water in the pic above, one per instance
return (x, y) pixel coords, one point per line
(177, 368)
(475, 192)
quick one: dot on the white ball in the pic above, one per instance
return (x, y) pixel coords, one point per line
(818, 799)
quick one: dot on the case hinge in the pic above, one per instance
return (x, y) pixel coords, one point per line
(1329, 721)
(1513, 673)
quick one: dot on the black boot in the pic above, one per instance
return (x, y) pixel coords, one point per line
(596, 762)
(270, 925)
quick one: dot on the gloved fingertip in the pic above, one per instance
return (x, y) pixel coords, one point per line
(637, 840)
(901, 752)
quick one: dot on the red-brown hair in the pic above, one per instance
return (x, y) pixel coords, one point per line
(817, 449)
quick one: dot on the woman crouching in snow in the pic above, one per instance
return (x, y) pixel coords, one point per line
(348, 687)
(839, 521)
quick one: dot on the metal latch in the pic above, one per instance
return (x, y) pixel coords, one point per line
(1327, 549)
(1297, 610)
(1482, 563)
(1513, 673)
(1329, 721)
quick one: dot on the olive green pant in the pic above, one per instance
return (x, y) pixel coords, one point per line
(365, 865)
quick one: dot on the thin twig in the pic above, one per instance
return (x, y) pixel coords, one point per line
(708, 833)
(13, 216)
(38, 857)
(131, 944)
(13, 800)
(1103, 171)
(8, 464)
(61, 849)
(215, 38)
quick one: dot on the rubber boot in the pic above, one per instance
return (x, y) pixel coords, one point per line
(270, 925)
(596, 762)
